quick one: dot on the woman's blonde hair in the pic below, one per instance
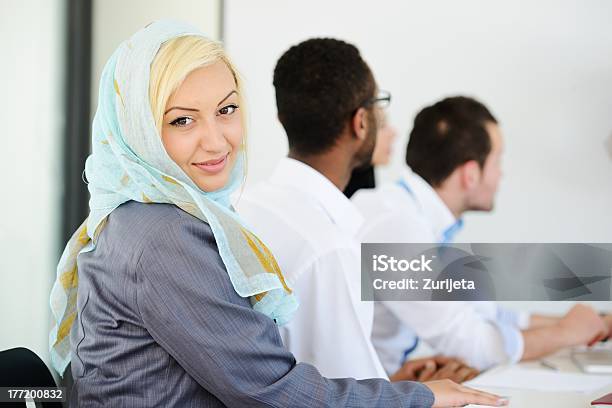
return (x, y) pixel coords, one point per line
(176, 59)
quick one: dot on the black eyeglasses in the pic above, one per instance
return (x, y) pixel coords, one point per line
(381, 100)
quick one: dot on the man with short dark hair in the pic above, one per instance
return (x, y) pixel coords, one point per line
(454, 158)
(456, 145)
(316, 101)
(327, 102)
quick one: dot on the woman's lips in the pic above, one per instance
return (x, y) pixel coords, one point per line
(212, 166)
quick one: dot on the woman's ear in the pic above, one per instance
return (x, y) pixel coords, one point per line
(359, 124)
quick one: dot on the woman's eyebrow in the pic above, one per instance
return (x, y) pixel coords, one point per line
(181, 108)
(197, 110)
(227, 96)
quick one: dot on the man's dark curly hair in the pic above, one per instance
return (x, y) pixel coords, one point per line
(320, 83)
(446, 135)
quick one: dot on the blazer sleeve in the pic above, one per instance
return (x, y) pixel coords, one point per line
(187, 303)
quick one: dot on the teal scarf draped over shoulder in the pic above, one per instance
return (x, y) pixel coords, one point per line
(129, 162)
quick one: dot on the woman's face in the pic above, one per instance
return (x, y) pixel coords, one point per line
(384, 142)
(202, 128)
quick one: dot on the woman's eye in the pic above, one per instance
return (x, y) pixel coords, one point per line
(228, 110)
(182, 121)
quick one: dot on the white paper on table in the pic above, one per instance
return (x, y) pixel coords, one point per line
(517, 377)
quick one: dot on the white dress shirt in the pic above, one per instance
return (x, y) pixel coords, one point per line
(481, 333)
(310, 227)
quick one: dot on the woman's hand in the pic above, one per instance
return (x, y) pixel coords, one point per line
(435, 368)
(450, 394)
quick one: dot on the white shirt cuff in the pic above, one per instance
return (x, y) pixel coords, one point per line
(513, 341)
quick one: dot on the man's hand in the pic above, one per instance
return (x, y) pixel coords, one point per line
(450, 394)
(449, 368)
(435, 368)
(584, 326)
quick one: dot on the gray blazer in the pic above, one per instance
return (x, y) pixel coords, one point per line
(160, 325)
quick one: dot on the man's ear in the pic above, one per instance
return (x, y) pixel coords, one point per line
(359, 124)
(470, 174)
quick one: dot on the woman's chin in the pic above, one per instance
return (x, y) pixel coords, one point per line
(210, 186)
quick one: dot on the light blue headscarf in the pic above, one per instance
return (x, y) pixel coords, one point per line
(129, 162)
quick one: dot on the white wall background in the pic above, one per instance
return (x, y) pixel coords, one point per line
(544, 68)
(116, 20)
(31, 113)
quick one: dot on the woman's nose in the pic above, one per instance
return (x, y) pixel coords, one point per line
(212, 138)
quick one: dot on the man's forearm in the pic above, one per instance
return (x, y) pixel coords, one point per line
(537, 321)
(542, 341)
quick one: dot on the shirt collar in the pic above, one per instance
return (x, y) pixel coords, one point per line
(300, 176)
(438, 215)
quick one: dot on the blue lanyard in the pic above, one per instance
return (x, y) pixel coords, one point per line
(406, 187)
(447, 237)
(408, 351)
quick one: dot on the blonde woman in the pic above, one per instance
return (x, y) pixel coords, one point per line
(163, 297)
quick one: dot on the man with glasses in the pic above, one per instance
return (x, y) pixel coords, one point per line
(328, 104)
(364, 177)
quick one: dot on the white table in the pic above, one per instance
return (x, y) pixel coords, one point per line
(540, 399)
